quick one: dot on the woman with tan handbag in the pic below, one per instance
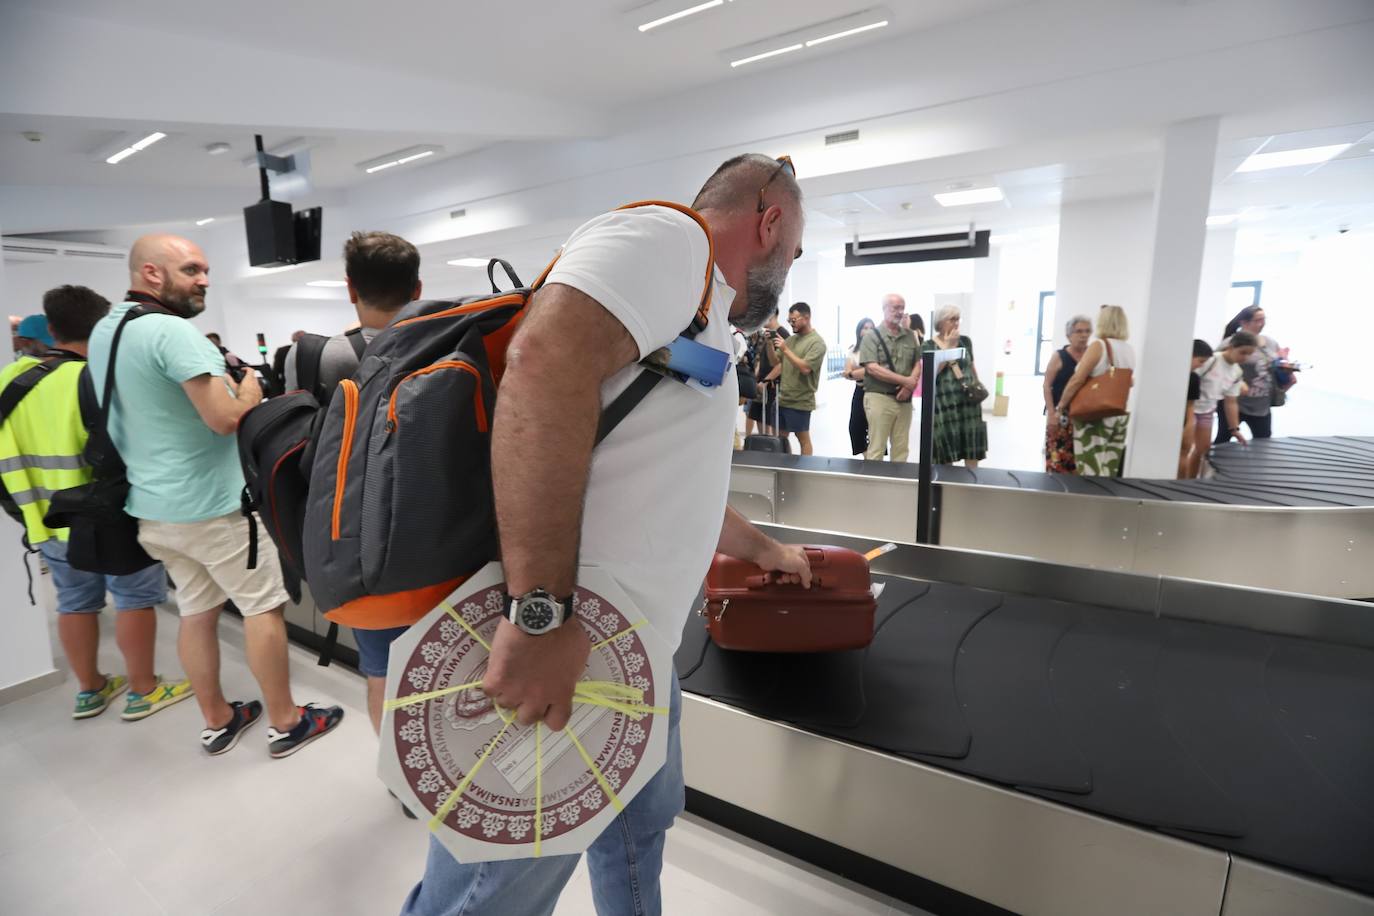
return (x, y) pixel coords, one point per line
(1097, 395)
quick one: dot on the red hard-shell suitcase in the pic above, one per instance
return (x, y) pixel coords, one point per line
(747, 610)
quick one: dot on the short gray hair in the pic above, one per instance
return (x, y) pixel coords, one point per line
(942, 314)
(735, 185)
(1075, 320)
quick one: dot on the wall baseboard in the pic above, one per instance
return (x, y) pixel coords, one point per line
(33, 685)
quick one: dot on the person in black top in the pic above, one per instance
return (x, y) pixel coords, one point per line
(767, 369)
(1187, 467)
(1059, 438)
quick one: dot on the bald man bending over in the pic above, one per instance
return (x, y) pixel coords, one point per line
(173, 417)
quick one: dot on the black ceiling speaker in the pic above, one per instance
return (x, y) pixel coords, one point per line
(276, 237)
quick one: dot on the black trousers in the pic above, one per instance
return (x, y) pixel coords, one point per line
(1260, 427)
(858, 422)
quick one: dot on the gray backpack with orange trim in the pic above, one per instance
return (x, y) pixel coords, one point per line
(400, 509)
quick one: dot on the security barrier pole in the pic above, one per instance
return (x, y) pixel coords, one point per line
(924, 485)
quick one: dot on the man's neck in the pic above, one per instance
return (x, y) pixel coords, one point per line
(77, 348)
(892, 328)
(374, 318)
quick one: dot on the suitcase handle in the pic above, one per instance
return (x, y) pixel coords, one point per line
(767, 579)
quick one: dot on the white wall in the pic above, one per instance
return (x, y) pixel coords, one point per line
(1104, 259)
(1218, 262)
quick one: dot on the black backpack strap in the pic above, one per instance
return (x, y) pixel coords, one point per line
(309, 353)
(625, 402)
(355, 337)
(510, 272)
(331, 638)
(20, 386)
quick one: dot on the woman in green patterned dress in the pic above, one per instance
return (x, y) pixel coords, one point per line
(1099, 446)
(961, 434)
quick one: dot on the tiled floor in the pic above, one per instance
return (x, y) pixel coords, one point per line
(116, 818)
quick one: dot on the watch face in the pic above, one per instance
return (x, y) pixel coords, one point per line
(537, 614)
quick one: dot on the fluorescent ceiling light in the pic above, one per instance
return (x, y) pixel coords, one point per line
(1313, 155)
(207, 220)
(681, 14)
(1221, 219)
(974, 196)
(765, 55)
(846, 33)
(399, 157)
(132, 148)
(470, 262)
(332, 284)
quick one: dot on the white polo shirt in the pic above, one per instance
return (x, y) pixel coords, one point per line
(657, 487)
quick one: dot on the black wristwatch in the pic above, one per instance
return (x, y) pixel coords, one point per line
(538, 612)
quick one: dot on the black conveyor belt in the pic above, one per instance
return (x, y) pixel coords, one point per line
(1291, 473)
(1255, 743)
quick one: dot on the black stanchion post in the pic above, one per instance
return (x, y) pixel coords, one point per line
(924, 486)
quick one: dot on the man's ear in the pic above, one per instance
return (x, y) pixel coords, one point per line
(419, 288)
(352, 293)
(770, 224)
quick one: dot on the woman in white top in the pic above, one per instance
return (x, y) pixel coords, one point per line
(1099, 446)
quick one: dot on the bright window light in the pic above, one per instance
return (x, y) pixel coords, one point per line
(1222, 219)
(206, 221)
(846, 33)
(681, 14)
(974, 196)
(1313, 155)
(765, 55)
(330, 284)
(469, 262)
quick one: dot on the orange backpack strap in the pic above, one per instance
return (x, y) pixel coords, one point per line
(703, 316)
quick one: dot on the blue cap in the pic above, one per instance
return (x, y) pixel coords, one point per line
(35, 327)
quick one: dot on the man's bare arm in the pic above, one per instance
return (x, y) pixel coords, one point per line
(220, 410)
(741, 540)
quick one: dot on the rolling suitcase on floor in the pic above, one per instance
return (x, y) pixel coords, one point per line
(747, 610)
(761, 443)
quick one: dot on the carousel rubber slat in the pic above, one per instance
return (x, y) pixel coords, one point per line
(1105, 679)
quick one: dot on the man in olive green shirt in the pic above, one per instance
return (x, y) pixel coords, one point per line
(890, 356)
(803, 360)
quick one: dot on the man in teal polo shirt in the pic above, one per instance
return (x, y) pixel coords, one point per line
(173, 417)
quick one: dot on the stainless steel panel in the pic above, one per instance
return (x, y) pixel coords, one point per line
(1259, 890)
(753, 493)
(837, 502)
(1020, 853)
(1311, 551)
(1091, 531)
(1333, 620)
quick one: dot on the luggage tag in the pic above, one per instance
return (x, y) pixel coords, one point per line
(699, 367)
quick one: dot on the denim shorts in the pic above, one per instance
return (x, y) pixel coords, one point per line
(795, 421)
(373, 648)
(81, 592)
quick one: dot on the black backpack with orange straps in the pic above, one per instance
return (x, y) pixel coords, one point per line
(400, 509)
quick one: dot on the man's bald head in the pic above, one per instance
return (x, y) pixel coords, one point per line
(171, 268)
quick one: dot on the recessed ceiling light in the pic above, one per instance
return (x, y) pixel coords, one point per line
(765, 55)
(1221, 219)
(1313, 155)
(217, 149)
(470, 262)
(400, 157)
(974, 196)
(132, 148)
(681, 14)
(331, 284)
(206, 221)
(846, 33)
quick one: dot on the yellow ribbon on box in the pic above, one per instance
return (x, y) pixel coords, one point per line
(616, 697)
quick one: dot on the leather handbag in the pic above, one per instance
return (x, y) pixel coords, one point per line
(975, 392)
(1104, 396)
(749, 610)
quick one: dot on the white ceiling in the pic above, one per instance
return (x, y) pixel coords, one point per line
(584, 50)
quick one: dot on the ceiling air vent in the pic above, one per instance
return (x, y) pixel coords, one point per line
(29, 249)
(107, 255)
(844, 136)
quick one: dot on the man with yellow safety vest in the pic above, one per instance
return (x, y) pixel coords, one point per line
(42, 437)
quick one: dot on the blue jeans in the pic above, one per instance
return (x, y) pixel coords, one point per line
(374, 649)
(81, 592)
(625, 861)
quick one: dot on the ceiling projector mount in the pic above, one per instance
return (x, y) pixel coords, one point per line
(276, 236)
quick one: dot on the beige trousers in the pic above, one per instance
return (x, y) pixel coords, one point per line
(888, 420)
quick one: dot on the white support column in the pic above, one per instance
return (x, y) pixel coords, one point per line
(1182, 198)
(981, 326)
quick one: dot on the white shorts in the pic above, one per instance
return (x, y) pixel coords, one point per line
(208, 561)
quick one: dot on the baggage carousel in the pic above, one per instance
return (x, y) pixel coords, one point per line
(1294, 515)
(1046, 739)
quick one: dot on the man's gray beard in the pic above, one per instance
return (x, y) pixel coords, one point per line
(185, 306)
(761, 291)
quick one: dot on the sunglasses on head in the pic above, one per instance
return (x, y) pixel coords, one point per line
(784, 162)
